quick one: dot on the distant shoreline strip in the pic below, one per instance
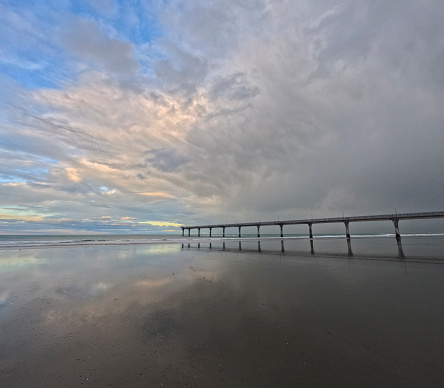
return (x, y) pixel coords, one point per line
(7, 245)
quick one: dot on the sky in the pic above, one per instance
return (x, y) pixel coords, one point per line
(139, 116)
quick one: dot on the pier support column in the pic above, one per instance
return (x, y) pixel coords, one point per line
(349, 246)
(347, 229)
(258, 231)
(189, 232)
(310, 230)
(312, 251)
(211, 229)
(400, 251)
(398, 237)
(239, 231)
(223, 231)
(198, 232)
(282, 230)
(396, 222)
(183, 231)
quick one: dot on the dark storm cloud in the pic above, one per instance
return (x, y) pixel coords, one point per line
(348, 115)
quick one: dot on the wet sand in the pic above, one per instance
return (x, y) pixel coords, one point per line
(169, 315)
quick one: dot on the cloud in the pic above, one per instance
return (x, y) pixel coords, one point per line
(19, 217)
(161, 223)
(252, 110)
(165, 160)
(73, 175)
(233, 87)
(157, 194)
(105, 7)
(348, 132)
(211, 29)
(85, 39)
(181, 71)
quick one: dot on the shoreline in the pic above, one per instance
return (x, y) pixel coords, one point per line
(29, 244)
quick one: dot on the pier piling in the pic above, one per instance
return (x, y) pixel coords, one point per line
(349, 246)
(347, 230)
(396, 223)
(310, 230)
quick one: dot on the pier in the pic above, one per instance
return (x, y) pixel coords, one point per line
(394, 218)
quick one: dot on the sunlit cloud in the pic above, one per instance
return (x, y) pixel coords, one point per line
(18, 217)
(20, 214)
(14, 184)
(161, 223)
(158, 195)
(73, 175)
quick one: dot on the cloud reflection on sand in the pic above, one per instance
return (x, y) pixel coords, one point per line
(216, 317)
(3, 297)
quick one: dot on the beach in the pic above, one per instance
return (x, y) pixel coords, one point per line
(253, 313)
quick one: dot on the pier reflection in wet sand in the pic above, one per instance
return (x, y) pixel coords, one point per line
(292, 242)
(267, 314)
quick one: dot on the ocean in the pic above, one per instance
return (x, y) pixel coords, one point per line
(40, 241)
(169, 310)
